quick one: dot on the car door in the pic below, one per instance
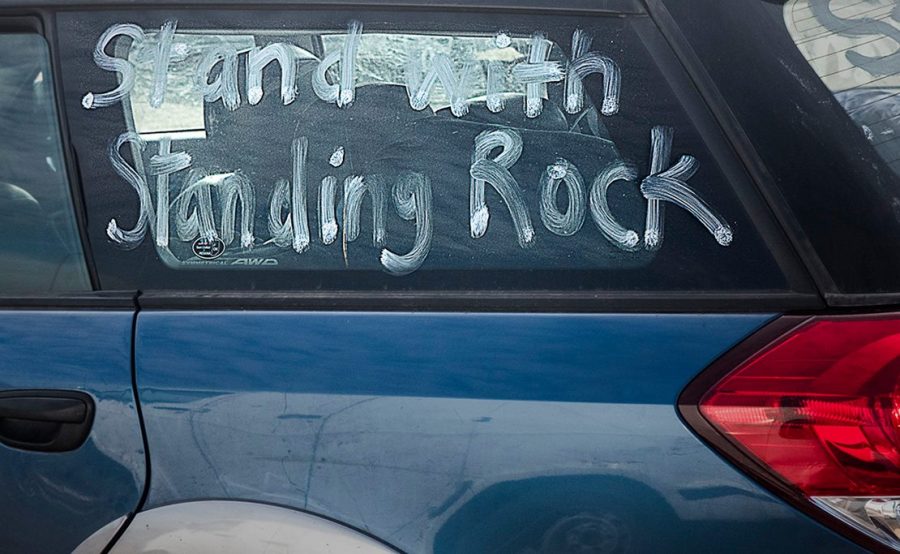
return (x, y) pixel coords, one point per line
(71, 449)
(437, 275)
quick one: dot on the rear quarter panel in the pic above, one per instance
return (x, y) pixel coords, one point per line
(456, 432)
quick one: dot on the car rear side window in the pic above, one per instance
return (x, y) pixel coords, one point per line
(813, 86)
(40, 249)
(322, 150)
(852, 46)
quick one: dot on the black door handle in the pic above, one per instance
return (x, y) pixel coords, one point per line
(45, 420)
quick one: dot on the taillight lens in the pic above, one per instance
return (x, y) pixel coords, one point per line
(819, 410)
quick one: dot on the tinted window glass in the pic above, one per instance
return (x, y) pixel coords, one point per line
(813, 85)
(40, 250)
(359, 150)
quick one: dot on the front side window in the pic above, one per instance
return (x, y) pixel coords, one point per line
(40, 249)
(323, 150)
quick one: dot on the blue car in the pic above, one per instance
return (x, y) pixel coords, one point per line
(527, 277)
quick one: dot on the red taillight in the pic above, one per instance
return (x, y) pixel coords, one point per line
(818, 410)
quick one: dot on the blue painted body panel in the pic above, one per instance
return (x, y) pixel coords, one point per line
(457, 432)
(52, 501)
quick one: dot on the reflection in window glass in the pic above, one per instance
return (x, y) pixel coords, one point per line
(853, 47)
(182, 116)
(39, 246)
(383, 58)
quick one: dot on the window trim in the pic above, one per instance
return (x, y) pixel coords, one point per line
(96, 300)
(505, 302)
(586, 7)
